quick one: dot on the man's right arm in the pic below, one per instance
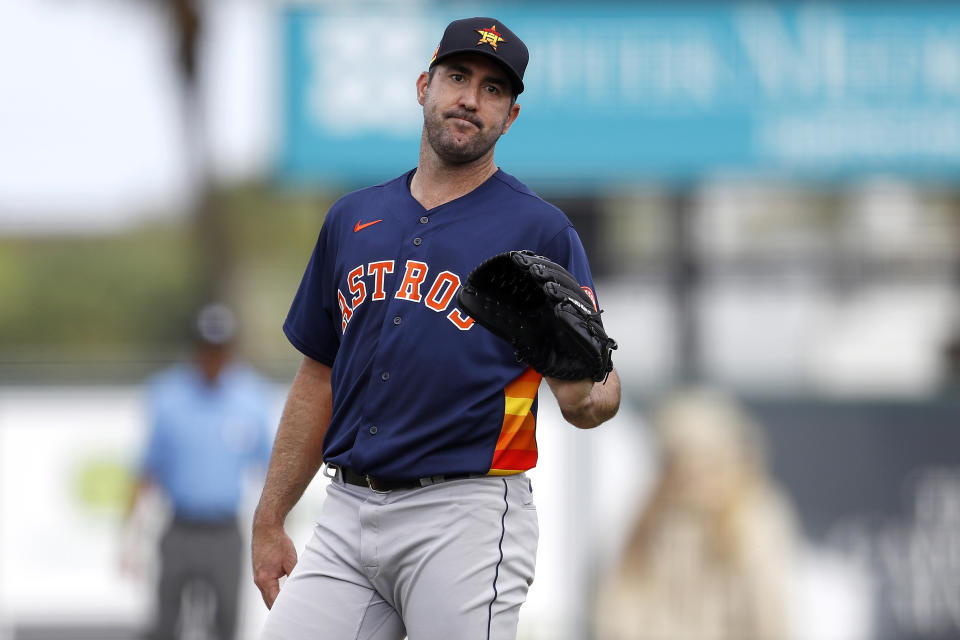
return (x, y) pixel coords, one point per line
(297, 455)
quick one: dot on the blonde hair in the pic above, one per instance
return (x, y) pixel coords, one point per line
(707, 555)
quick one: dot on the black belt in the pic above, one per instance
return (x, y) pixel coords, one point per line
(381, 485)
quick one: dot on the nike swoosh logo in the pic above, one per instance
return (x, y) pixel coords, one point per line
(359, 226)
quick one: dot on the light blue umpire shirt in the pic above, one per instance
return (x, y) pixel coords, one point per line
(205, 438)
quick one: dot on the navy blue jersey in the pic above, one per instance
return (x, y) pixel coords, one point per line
(418, 388)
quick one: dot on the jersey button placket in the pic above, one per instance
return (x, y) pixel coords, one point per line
(417, 241)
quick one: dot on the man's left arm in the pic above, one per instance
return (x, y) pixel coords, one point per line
(587, 404)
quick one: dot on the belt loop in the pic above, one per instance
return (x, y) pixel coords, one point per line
(330, 470)
(432, 480)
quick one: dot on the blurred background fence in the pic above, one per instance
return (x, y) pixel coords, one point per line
(768, 193)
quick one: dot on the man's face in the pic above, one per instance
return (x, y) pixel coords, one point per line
(212, 359)
(467, 106)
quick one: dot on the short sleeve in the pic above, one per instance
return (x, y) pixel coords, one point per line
(566, 249)
(310, 325)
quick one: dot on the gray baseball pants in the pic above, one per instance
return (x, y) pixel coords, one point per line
(209, 552)
(452, 560)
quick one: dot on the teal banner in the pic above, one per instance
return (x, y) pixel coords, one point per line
(617, 93)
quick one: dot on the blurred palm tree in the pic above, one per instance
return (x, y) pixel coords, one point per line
(214, 257)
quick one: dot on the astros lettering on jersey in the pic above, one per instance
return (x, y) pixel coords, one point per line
(377, 303)
(437, 298)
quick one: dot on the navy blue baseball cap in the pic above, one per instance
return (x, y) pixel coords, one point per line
(487, 37)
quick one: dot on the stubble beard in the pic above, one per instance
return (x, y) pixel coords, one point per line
(442, 138)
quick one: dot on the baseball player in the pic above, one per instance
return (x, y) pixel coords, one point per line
(425, 420)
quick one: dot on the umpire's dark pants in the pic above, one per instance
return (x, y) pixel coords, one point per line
(209, 552)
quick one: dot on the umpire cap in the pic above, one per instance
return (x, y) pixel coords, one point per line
(488, 37)
(215, 325)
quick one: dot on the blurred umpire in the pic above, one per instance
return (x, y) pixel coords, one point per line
(210, 424)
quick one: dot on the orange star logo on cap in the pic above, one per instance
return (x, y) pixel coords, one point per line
(490, 37)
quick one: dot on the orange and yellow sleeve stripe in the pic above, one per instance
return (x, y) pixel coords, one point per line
(516, 449)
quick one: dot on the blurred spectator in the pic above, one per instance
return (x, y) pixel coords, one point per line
(209, 426)
(711, 555)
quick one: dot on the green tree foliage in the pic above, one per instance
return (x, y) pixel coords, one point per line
(109, 305)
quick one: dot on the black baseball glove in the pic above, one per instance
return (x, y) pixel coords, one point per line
(539, 308)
